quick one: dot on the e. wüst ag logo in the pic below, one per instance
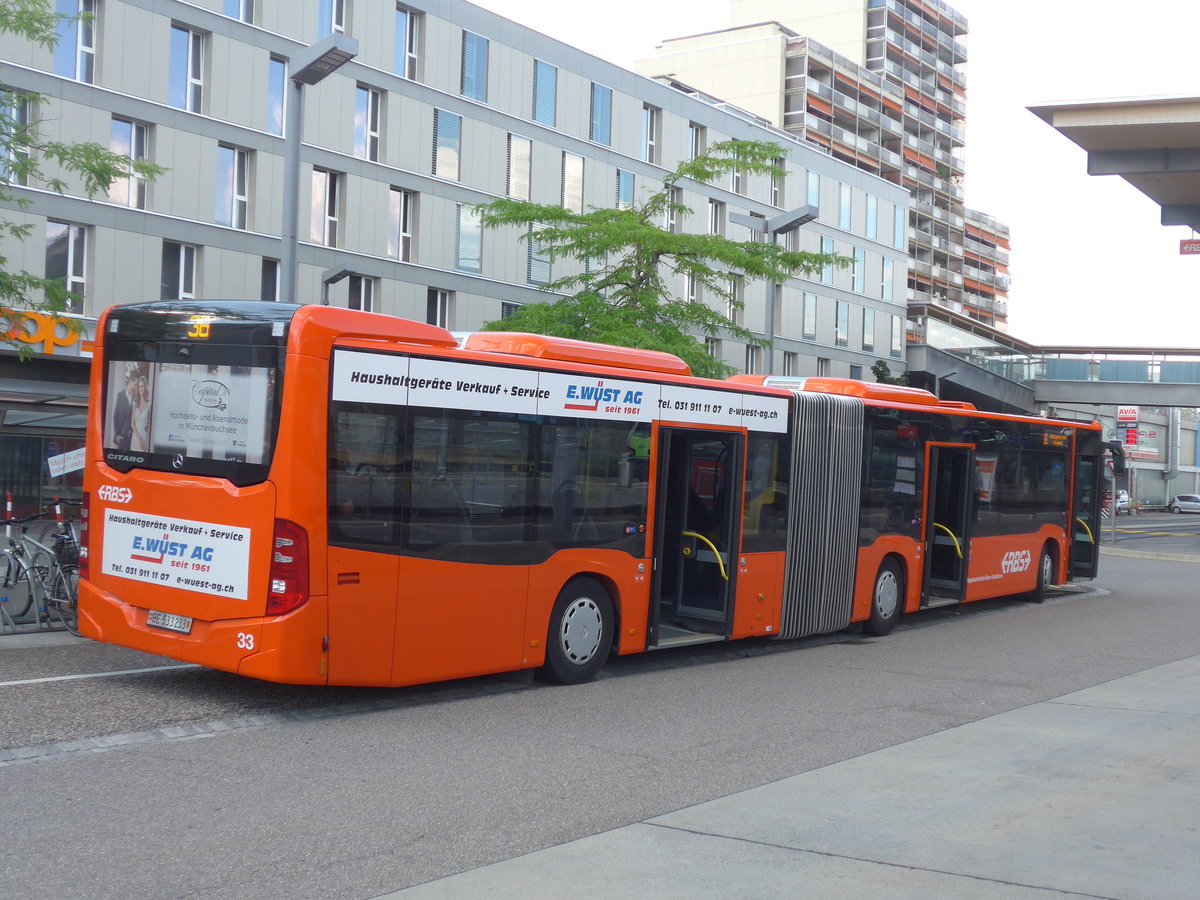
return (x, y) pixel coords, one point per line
(1016, 561)
(588, 397)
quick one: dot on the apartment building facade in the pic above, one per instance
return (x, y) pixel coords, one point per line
(446, 106)
(877, 84)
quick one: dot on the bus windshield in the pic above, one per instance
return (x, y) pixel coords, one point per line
(191, 393)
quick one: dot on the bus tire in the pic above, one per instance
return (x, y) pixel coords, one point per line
(1045, 575)
(580, 634)
(887, 598)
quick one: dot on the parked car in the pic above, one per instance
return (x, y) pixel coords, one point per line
(1121, 505)
(1182, 503)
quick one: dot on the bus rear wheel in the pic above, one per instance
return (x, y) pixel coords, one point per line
(580, 634)
(887, 599)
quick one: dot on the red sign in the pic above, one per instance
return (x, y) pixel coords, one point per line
(1189, 247)
(1127, 413)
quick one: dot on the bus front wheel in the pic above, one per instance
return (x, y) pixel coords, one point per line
(1045, 575)
(887, 599)
(580, 634)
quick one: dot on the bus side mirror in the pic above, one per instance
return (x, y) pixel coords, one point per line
(1117, 449)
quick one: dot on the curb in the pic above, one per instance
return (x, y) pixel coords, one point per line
(1149, 554)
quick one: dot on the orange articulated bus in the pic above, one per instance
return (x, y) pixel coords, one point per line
(316, 495)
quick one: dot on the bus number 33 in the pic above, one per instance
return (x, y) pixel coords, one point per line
(245, 641)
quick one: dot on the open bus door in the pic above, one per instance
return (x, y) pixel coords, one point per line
(1084, 552)
(949, 501)
(695, 536)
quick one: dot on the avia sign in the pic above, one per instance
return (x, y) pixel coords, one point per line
(1127, 413)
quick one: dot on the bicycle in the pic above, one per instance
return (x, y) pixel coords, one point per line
(31, 572)
(64, 584)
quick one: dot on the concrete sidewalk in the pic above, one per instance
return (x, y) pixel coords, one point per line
(1096, 793)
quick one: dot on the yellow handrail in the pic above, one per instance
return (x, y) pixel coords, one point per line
(1091, 537)
(957, 545)
(712, 547)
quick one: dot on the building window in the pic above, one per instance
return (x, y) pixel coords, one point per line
(331, 17)
(872, 229)
(601, 119)
(868, 340)
(447, 138)
(368, 116)
(242, 10)
(437, 307)
(572, 182)
(361, 293)
(899, 229)
(650, 125)
(735, 299)
(508, 308)
(856, 372)
(325, 208)
(716, 217)
(179, 271)
(791, 364)
(841, 333)
(737, 180)
(889, 271)
(276, 94)
(822, 367)
(777, 179)
(75, 52)
(753, 359)
(269, 289)
(474, 66)
(129, 139)
(66, 259)
(897, 337)
(537, 261)
(674, 211)
(713, 347)
(697, 140)
(16, 121)
(812, 195)
(233, 191)
(405, 55)
(827, 269)
(520, 167)
(776, 301)
(186, 88)
(624, 189)
(401, 207)
(845, 199)
(545, 92)
(469, 239)
(809, 318)
(693, 289)
(859, 272)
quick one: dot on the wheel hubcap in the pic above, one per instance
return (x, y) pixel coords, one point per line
(1047, 569)
(887, 594)
(582, 628)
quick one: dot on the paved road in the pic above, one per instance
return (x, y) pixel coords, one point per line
(183, 782)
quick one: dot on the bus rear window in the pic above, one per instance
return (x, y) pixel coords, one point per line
(194, 418)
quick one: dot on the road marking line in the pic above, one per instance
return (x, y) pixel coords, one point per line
(98, 674)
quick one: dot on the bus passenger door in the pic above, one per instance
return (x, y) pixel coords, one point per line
(949, 503)
(699, 499)
(1084, 553)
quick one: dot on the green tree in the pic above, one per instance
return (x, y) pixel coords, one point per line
(27, 158)
(883, 374)
(618, 292)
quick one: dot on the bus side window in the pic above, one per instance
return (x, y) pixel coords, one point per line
(366, 474)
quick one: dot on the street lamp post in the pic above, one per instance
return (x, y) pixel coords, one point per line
(776, 225)
(315, 63)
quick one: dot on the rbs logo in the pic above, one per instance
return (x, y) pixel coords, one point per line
(1016, 561)
(114, 494)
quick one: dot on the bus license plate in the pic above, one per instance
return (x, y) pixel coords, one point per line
(182, 624)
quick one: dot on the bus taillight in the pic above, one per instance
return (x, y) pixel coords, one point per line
(289, 569)
(84, 566)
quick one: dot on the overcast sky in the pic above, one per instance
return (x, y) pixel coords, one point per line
(1090, 263)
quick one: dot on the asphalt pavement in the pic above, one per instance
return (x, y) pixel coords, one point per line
(1091, 794)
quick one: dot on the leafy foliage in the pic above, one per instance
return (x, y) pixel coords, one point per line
(883, 374)
(626, 256)
(26, 158)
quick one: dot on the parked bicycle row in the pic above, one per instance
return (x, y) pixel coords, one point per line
(39, 569)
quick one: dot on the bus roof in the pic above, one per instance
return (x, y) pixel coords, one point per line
(539, 346)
